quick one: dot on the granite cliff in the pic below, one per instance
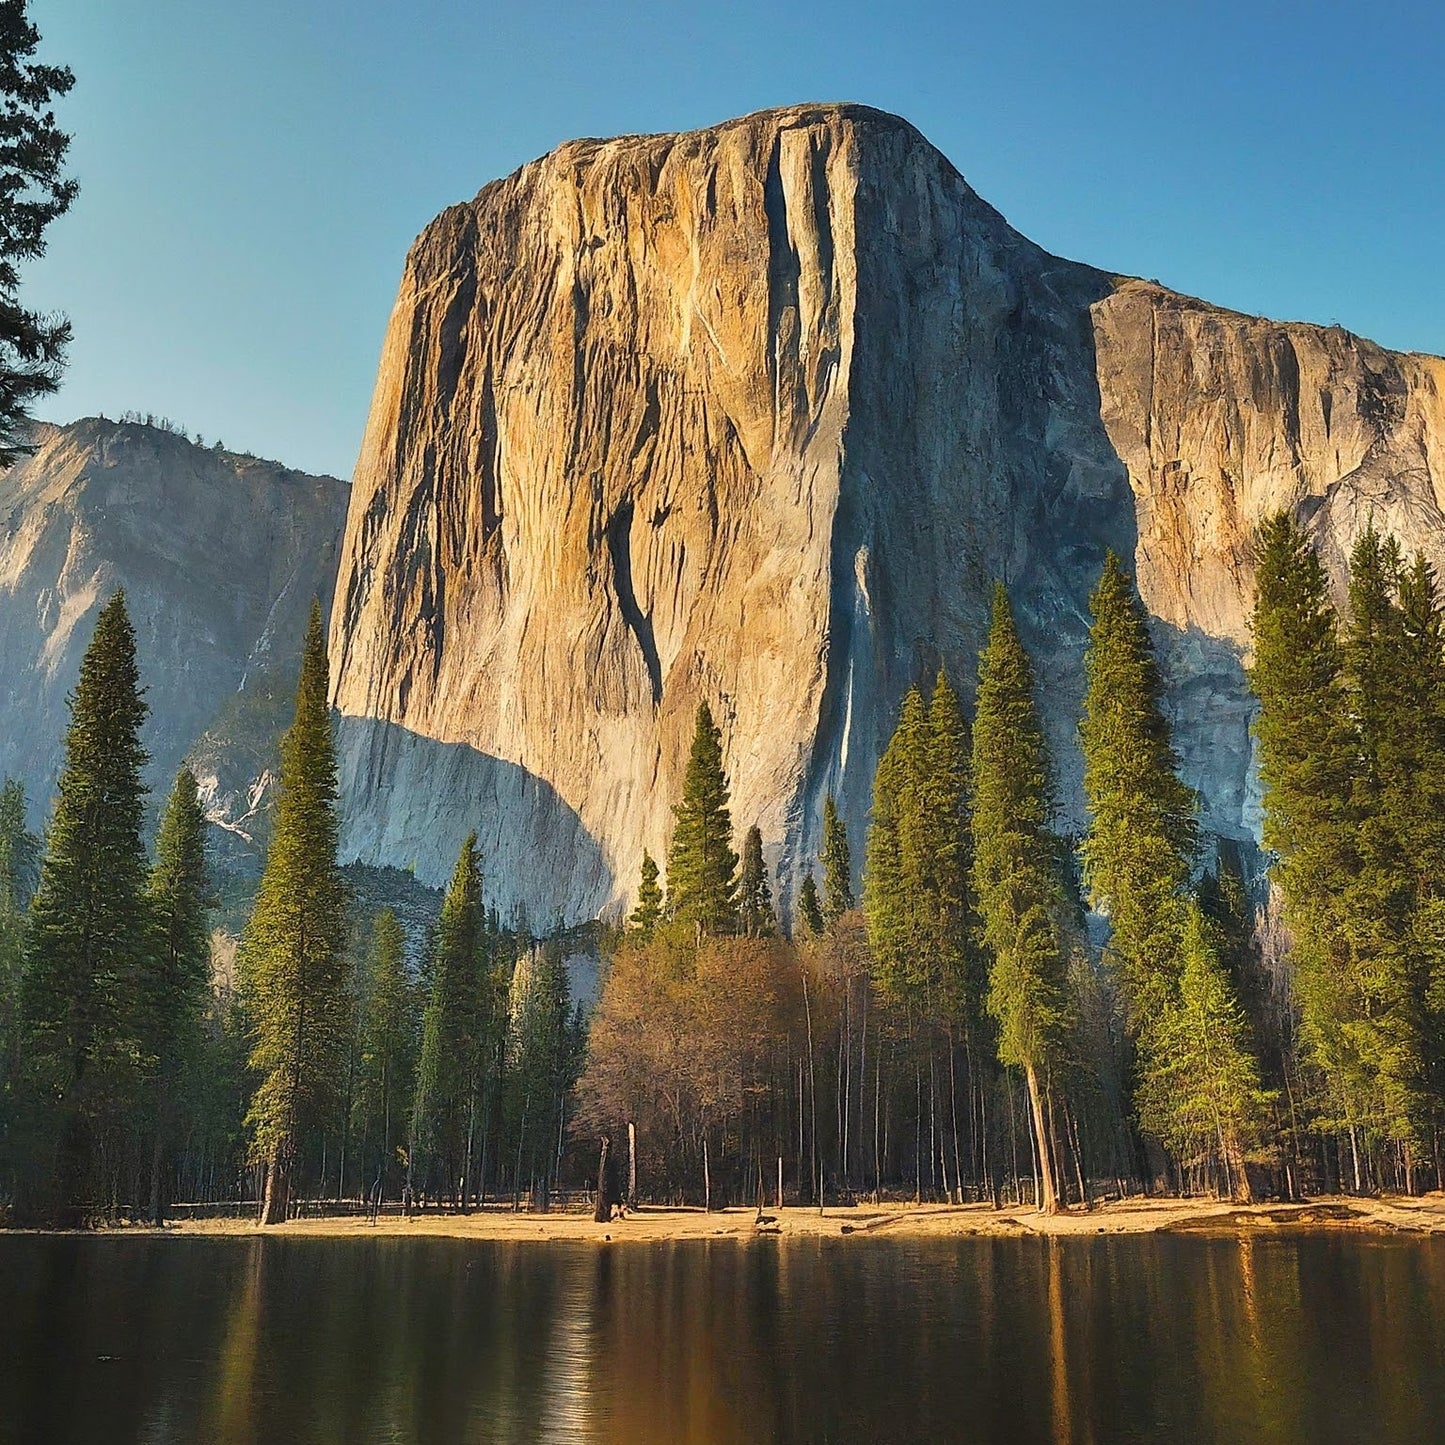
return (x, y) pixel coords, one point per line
(757, 413)
(220, 555)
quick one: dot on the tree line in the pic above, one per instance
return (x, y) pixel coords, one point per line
(138, 1065)
(1006, 1012)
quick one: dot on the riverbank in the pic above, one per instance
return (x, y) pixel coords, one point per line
(1392, 1215)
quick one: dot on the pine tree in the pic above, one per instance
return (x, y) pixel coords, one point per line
(177, 975)
(648, 913)
(701, 866)
(810, 910)
(951, 921)
(894, 872)
(88, 925)
(1021, 898)
(19, 862)
(390, 1026)
(755, 898)
(536, 1059)
(455, 1032)
(1141, 839)
(1307, 757)
(1201, 1094)
(33, 193)
(292, 955)
(837, 864)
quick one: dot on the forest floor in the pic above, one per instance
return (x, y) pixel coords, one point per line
(1391, 1214)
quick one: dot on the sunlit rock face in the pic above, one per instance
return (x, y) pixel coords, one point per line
(220, 556)
(757, 414)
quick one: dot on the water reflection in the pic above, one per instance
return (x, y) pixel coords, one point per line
(234, 1341)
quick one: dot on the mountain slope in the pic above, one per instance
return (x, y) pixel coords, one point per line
(757, 413)
(220, 555)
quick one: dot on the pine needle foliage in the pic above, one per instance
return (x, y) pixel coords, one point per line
(33, 193)
(755, 897)
(176, 981)
(456, 1028)
(648, 913)
(810, 908)
(292, 955)
(1139, 849)
(701, 865)
(390, 1025)
(1022, 900)
(837, 862)
(88, 922)
(1201, 1094)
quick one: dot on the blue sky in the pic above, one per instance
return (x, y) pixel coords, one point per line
(253, 173)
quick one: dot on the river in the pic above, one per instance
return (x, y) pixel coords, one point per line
(1312, 1338)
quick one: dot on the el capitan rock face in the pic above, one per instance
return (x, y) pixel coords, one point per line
(757, 413)
(220, 555)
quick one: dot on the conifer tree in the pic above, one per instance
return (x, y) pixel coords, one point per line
(701, 866)
(1021, 898)
(177, 975)
(755, 897)
(950, 921)
(455, 1030)
(88, 925)
(33, 193)
(894, 874)
(536, 1059)
(292, 954)
(810, 910)
(837, 864)
(648, 913)
(1201, 1093)
(389, 1037)
(1307, 754)
(19, 862)
(1140, 844)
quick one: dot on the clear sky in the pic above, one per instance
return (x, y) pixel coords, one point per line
(252, 173)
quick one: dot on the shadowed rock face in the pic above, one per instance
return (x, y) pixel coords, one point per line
(756, 414)
(220, 556)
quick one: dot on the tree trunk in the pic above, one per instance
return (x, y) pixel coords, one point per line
(631, 1165)
(602, 1213)
(277, 1197)
(1049, 1203)
(706, 1178)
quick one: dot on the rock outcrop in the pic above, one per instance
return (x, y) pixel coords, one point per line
(220, 556)
(757, 413)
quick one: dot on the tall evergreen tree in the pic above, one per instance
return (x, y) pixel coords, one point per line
(701, 866)
(33, 193)
(894, 874)
(19, 864)
(648, 913)
(390, 1025)
(1016, 875)
(950, 921)
(1201, 1094)
(1140, 844)
(837, 864)
(810, 910)
(1307, 758)
(177, 977)
(455, 1032)
(536, 1063)
(88, 933)
(292, 954)
(755, 897)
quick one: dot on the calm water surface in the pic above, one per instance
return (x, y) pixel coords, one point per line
(1314, 1339)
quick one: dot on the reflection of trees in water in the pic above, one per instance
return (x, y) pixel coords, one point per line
(1075, 1340)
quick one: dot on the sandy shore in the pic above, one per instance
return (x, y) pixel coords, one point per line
(1395, 1214)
